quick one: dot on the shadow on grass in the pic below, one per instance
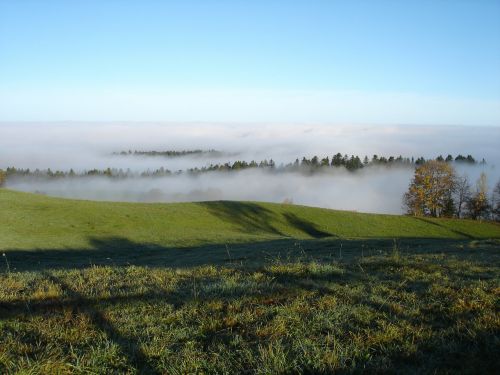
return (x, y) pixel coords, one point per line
(253, 218)
(116, 251)
(460, 233)
(119, 251)
(129, 347)
(305, 226)
(248, 217)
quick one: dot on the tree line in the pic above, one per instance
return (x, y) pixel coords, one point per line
(436, 190)
(168, 153)
(305, 165)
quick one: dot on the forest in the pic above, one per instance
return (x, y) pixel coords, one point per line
(308, 166)
(168, 153)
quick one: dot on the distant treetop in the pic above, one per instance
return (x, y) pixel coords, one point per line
(168, 153)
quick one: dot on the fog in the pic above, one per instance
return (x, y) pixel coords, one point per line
(84, 146)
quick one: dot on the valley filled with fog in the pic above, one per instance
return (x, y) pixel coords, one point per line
(85, 146)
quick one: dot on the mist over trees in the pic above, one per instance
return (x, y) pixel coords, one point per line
(168, 153)
(437, 190)
(305, 165)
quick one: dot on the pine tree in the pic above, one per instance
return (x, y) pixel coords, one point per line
(337, 160)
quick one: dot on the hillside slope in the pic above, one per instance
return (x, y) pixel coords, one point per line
(31, 221)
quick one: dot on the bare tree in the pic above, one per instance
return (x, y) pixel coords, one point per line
(462, 194)
(495, 201)
(478, 204)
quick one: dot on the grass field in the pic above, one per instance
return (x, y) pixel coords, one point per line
(233, 287)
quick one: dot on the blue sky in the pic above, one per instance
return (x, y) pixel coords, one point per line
(430, 62)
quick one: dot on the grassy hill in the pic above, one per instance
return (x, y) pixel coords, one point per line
(242, 287)
(32, 221)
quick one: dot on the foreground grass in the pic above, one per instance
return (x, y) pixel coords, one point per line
(234, 287)
(395, 310)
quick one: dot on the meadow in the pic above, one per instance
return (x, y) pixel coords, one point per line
(242, 287)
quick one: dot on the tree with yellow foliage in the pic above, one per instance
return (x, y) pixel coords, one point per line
(2, 177)
(431, 189)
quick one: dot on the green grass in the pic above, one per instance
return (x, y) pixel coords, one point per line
(37, 222)
(232, 287)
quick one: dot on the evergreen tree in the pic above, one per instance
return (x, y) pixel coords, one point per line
(337, 160)
(325, 162)
(420, 161)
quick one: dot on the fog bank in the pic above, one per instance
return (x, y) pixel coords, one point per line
(365, 190)
(80, 146)
(89, 145)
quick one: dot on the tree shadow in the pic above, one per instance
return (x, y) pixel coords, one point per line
(283, 288)
(253, 218)
(122, 250)
(460, 233)
(117, 251)
(129, 347)
(305, 226)
(249, 217)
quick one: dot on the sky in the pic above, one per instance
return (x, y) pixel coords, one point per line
(359, 62)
